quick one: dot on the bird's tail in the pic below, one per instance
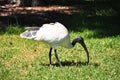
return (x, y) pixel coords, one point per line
(29, 34)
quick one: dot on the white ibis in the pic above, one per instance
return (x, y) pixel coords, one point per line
(54, 34)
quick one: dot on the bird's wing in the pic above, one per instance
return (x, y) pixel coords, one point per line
(32, 28)
(29, 34)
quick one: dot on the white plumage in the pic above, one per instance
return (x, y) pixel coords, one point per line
(55, 34)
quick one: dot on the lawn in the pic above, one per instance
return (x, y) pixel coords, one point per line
(23, 59)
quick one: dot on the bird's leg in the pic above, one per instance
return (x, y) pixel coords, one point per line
(57, 57)
(50, 55)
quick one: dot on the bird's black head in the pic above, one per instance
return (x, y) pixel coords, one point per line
(81, 41)
(78, 39)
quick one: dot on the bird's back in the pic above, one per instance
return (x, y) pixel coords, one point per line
(54, 34)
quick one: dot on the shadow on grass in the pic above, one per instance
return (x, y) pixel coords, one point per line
(72, 63)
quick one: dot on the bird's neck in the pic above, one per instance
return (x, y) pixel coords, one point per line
(74, 42)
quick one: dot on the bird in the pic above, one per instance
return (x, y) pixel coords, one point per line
(55, 34)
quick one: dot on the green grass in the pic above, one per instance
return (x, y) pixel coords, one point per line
(23, 59)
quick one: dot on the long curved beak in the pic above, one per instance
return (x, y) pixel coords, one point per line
(86, 50)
